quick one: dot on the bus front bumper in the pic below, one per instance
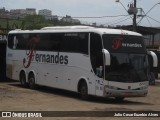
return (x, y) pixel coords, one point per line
(125, 93)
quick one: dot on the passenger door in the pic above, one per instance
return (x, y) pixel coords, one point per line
(96, 57)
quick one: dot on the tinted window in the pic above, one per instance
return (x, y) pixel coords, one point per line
(124, 43)
(64, 42)
(48, 42)
(75, 42)
(17, 41)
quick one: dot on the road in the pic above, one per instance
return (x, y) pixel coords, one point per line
(13, 97)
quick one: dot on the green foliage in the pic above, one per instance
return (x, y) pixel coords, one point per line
(31, 22)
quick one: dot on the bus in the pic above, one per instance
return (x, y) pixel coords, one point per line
(90, 61)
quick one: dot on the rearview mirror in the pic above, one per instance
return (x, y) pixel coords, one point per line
(107, 57)
(155, 59)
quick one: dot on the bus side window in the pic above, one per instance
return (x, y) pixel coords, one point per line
(56, 41)
(96, 54)
(83, 43)
(22, 39)
(16, 41)
(75, 43)
(10, 41)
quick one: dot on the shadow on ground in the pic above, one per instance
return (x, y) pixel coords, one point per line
(74, 95)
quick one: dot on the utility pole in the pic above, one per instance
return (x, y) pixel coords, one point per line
(135, 16)
(132, 11)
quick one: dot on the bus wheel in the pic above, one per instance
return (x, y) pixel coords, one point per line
(119, 99)
(23, 79)
(31, 81)
(83, 90)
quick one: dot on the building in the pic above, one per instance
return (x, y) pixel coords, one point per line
(54, 17)
(21, 13)
(152, 40)
(31, 11)
(4, 13)
(18, 11)
(46, 13)
(27, 11)
(2, 10)
(69, 19)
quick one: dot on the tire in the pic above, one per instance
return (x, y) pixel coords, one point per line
(23, 79)
(31, 81)
(83, 90)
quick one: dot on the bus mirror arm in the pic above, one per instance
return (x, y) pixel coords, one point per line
(107, 57)
(155, 59)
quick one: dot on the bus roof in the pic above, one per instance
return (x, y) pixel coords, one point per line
(62, 29)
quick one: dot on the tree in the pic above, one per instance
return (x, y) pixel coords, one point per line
(35, 21)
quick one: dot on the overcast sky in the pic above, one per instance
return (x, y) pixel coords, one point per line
(92, 8)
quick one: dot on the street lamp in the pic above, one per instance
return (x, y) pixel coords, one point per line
(118, 1)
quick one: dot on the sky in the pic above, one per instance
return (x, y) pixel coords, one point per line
(114, 12)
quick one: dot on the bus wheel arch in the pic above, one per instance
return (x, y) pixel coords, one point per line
(32, 80)
(23, 78)
(83, 89)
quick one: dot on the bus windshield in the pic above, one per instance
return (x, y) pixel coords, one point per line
(127, 68)
(129, 61)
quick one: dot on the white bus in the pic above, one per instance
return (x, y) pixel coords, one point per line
(90, 61)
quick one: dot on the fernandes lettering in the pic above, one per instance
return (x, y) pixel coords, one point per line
(31, 54)
(46, 58)
(120, 42)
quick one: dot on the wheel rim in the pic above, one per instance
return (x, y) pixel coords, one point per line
(23, 79)
(31, 81)
(84, 91)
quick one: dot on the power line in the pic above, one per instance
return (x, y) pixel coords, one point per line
(154, 19)
(145, 14)
(152, 8)
(115, 20)
(143, 17)
(98, 16)
(149, 22)
(121, 21)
